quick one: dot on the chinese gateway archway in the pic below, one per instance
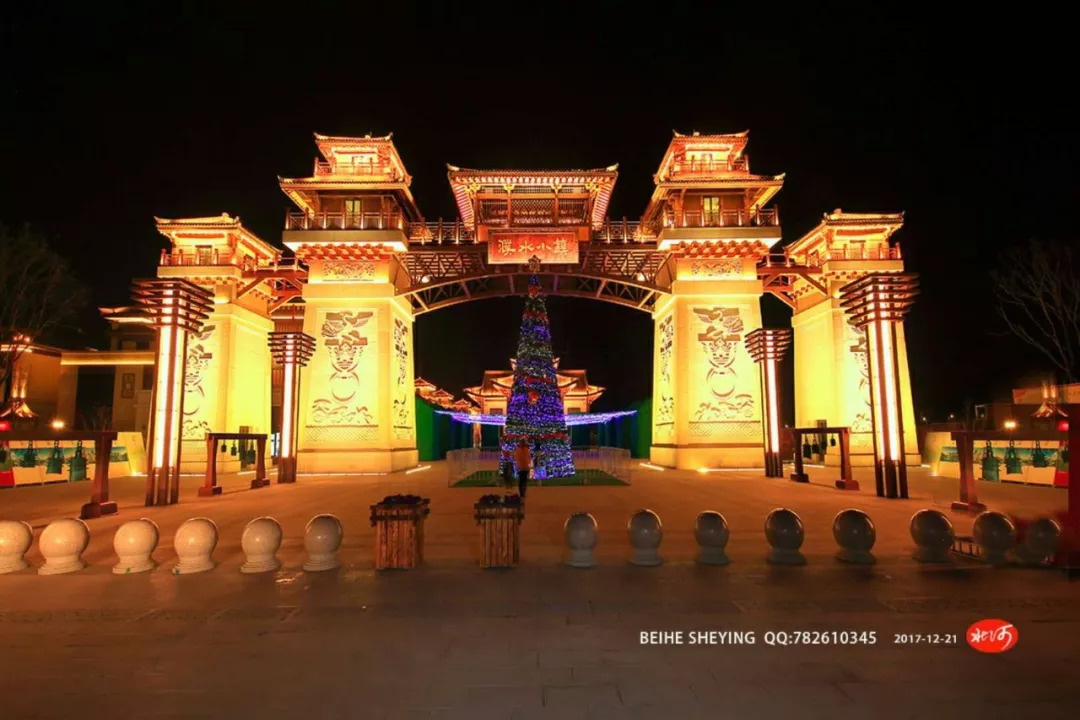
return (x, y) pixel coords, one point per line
(363, 262)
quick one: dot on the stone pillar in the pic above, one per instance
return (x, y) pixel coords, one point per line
(707, 409)
(357, 412)
(767, 347)
(291, 350)
(877, 304)
(178, 309)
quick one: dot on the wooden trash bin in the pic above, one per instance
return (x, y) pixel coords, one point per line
(499, 518)
(399, 531)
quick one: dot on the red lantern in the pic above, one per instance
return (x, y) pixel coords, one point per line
(533, 397)
(1063, 426)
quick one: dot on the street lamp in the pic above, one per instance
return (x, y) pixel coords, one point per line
(1010, 424)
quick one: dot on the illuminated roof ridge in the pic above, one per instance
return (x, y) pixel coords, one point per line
(181, 231)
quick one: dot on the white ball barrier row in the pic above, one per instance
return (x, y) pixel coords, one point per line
(63, 542)
(645, 533)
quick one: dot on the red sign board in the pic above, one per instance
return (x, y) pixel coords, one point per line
(518, 248)
(992, 636)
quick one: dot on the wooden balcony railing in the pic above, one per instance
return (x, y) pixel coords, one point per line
(208, 258)
(705, 166)
(385, 220)
(367, 169)
(764, 217)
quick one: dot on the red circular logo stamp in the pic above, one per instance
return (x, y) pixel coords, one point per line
(992, 636)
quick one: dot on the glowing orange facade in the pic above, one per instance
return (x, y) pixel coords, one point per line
(364, 262)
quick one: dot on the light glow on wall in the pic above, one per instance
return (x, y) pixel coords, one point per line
(889, 373)
(161, 392)
(774, 422)
(288, 403)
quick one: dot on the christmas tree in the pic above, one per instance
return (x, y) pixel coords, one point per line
(535, 412)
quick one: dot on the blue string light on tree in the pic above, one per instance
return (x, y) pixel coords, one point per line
(535, 412)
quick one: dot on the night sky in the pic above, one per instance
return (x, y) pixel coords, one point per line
(110, 119)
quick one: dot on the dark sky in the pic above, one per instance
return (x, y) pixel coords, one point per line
(109, 118)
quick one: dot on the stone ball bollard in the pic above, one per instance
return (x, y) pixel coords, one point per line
(16, 537)
(62, 544)
(995, 534)
(194, 543)
(1041, 539)
(712, 534)
(646, 533)
(933, 535)
(260, 543)
(134, 543)
(580, 533)
(855, 534)
(784, 531)
(322, 538)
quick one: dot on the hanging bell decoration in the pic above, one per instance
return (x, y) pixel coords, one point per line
(55, 465)
(806, 449)
(1013, 466)
(832, 441)
(77, 466)
(224, 448)
(250, 456)
(815, 449)
(233, 451)
(990, 464)
(30, 456)
(1038, 456)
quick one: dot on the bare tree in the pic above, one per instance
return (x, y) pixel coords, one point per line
(1038, 297)
(39, 294)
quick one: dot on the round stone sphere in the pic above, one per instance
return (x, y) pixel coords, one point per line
(854, 532)
(995, 533)
(260, 542)
(933, 535)
(784, 530)
(580, 531)
(194, 543)
(645, 530)
(322, 538)
(62, 544)
(1041, 538)
(711, 530)
(15, 539)
(134, 542)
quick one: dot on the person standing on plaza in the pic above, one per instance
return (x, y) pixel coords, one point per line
(522, 458)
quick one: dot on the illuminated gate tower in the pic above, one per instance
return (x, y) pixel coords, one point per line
(710, 212)
(367, 262)
(832, 374)
(357, 411)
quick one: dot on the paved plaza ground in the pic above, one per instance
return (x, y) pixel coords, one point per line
(542, 640)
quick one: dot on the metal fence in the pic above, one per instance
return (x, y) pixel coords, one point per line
(613, 461)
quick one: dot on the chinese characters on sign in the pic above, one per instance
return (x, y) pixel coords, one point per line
(517, 248)
(992, 636)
